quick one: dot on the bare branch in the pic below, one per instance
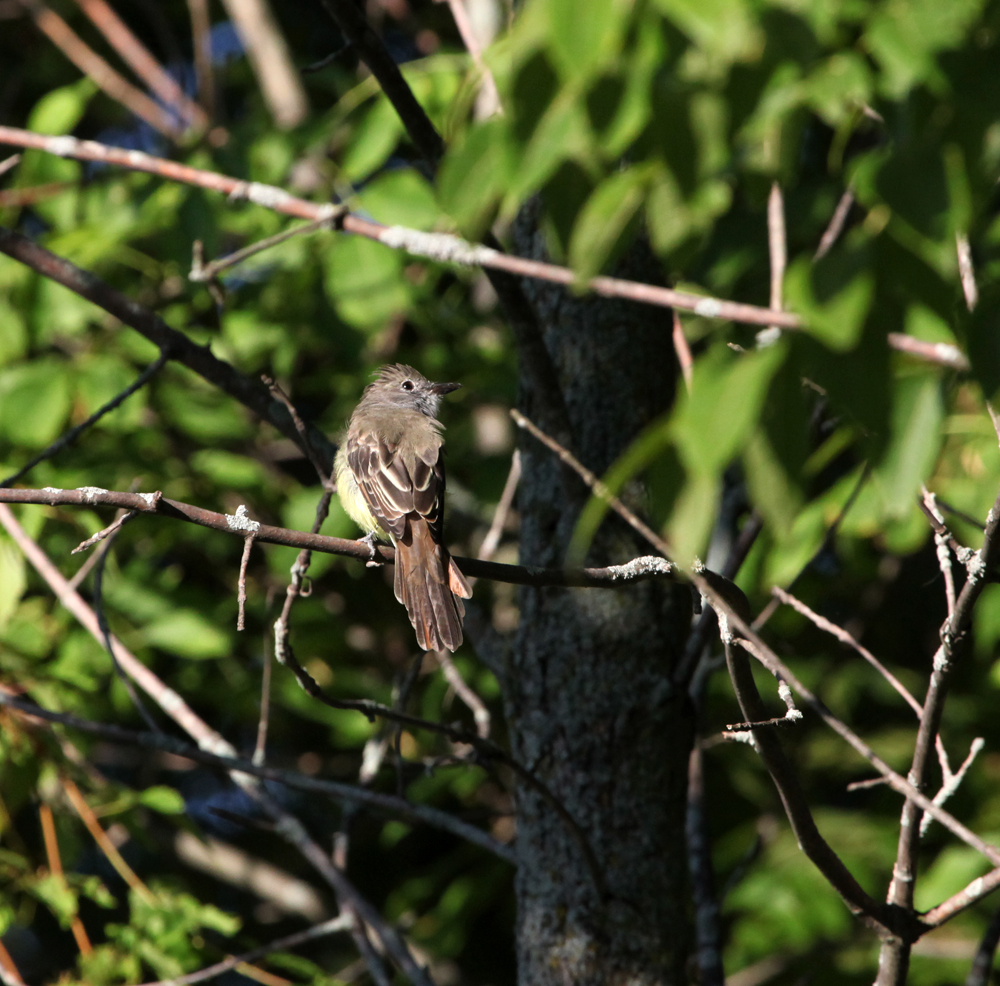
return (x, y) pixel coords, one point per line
(778, 252)
(492, 540)
(462, 689)
(139, 59)
(683, 351)
(95, 67)
(968, 275)
(440, 247)
(845, 638)
(611, 577)
(268, 52)
(346, 793)
(942, 353)
(600, 490)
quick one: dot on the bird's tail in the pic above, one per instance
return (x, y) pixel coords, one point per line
(431, 587)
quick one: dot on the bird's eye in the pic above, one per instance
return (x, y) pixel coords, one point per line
(407, 385)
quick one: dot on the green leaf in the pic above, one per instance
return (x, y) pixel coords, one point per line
(59, 111)
(722, 409)
(163, 799)
(832, 296)
(563, 134)
(726, 29)
(651, 443)
(34, 401)
(365, 281)
(582, 42)
(693, 516)
(13, 579)
(604, 223)
(917, 414)
(187, 633)
(772, 490)
(401, 197)
(374, 140)
(475, 174)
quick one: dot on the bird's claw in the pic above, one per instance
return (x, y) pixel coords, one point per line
(369, 540)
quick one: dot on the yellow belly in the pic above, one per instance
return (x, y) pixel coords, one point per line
(352, 499)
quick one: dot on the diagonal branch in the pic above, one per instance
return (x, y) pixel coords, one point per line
(251, 393)
(345, 793)
(439, 247)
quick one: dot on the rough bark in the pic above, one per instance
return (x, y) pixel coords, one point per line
(589, 699)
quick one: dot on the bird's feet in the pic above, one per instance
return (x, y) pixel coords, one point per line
(369, 540)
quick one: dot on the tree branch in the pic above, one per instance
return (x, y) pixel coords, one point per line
(440, 247)
(251, 393)
(612, 577)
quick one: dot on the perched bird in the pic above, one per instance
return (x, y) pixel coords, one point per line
(390, 479)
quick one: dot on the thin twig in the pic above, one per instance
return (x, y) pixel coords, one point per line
(260, 747)
(778, 252)
(982, 964)
(599, 489)
(489, 93)
(342, 922)
(201, 27)
(492, 540)
(106, 638)
(267, 50)
(7, 164)
(241, 591)
(325, 477)
(968, 275)
(201, 272)
(942, 353)
(836, 225)
(462, 689)
(74, 433)
(198, 358)
(56, 869)
(113, 856)
(952, 780)
(683, 352)
(346, 793)
(105, 534)
(845, 638)
(138, 57)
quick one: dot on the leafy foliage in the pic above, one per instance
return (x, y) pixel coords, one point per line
(667, 121)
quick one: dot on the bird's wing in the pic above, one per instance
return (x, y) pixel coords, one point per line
(397, 486)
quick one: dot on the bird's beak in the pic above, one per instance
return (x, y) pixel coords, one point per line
(443, 388)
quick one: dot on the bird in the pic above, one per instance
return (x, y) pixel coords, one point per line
(391, 482)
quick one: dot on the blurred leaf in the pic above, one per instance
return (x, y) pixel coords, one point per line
(604, 222)
(725, 28)
(187, 633)
(364, 282)
(34, 401)
(584, 44)
(916, 423)
(474, 175)
(773, 491)
(13, 579)
(165, 800)
(59, 111)
(722, 409)
(832, 296)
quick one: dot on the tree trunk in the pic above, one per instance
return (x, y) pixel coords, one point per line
(590, 703)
